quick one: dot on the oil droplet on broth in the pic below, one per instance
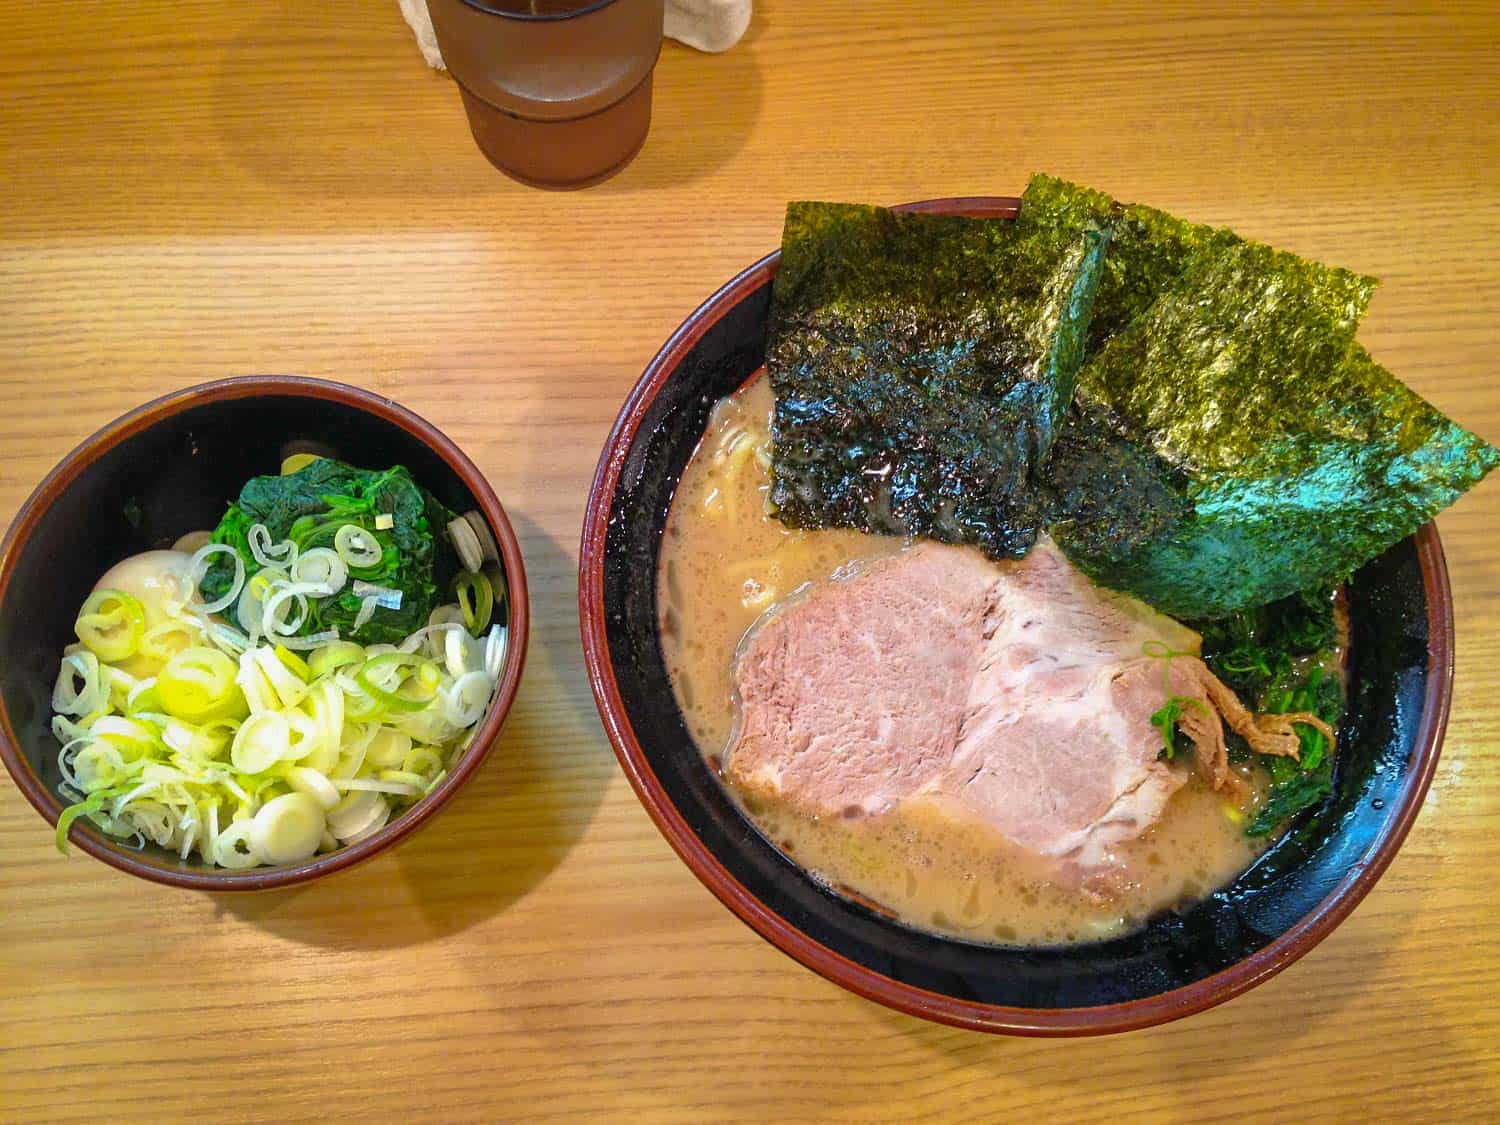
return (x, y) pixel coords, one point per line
(925, 871)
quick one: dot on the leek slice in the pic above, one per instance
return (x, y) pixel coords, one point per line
(358, 548)
(198, 685)
(234, 849)
(313, 783)
(402, 681)
(335, 655)
(111, 624)
(261, 742)
(476, 599)
(287, 829)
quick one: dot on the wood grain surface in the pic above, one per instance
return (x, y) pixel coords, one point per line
(195, 189)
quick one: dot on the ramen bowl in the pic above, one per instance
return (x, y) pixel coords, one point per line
(1401, 658)
(170, 467)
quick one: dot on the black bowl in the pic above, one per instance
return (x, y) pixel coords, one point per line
(1401, 655)
(171, 467)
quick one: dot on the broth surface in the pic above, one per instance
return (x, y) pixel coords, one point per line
(724, 562)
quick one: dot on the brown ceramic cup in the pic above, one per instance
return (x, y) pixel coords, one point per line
(558, 92)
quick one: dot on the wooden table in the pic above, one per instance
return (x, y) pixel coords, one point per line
(197, 189)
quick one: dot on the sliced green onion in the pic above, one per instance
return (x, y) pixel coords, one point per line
(289, 687)
(316, 785)
(80, 689)
(143, 697)
(111, 624)
(309, 642)
(462, 653)
(129, 736)
(464, 703)
(388, 748)
(321, 567)
(198, 567)
(356, 812)
(335, 655)
(476, 599)
(295, 664)
(374, 825)
(251, 608)
(273, 622)
(210, 740)
(267, 553)
(91, 804)
(233, 848)
(198, 686)
(386, 786)
(261, 742)
(423, 761)
(357, 547)
(494, 651)
(466, 543)
(287, 829)
(297, 462)
(386, 677)
(167, 638)
(359, 705)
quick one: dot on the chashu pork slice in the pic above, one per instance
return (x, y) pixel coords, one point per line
(852, 696)
(1057, 751)
(1018, 694)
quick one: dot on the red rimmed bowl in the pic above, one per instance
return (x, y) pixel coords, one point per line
(1401, 656)
(170, 467)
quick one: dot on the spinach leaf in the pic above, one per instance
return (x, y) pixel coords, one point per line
(1276, 657)
(1303, 790)
(311, 505)
(1165, 718)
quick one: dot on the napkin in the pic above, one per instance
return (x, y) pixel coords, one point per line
(708, 25)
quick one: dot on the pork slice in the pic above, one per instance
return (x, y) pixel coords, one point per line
(851, 695)
(1016, 695)
(1057, 750)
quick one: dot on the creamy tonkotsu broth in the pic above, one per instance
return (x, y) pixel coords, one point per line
(724, 562)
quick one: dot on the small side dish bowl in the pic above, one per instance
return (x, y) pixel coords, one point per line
(1401, 661)
(172, 466)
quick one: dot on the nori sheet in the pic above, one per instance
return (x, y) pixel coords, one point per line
(1289, 455)
(922, 365)
(1149, 250)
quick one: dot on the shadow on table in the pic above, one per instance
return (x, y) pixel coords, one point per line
(377, 122)
(505, 832)
(1292, 1009)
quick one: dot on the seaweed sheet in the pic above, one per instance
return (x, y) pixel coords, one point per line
(1275, 452)
(922, 366)
(1149, 250)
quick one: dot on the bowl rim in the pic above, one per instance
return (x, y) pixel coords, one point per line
(1095, 1020)
(142, 418)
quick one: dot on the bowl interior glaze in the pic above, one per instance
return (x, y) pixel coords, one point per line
(1401, 662)
(171, 467)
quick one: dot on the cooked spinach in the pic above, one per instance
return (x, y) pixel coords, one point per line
(311, 505)
(1165, 718)
(1279, 658)
(923, 365)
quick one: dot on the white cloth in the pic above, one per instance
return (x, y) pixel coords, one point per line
(708, 25)
(415, 12)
